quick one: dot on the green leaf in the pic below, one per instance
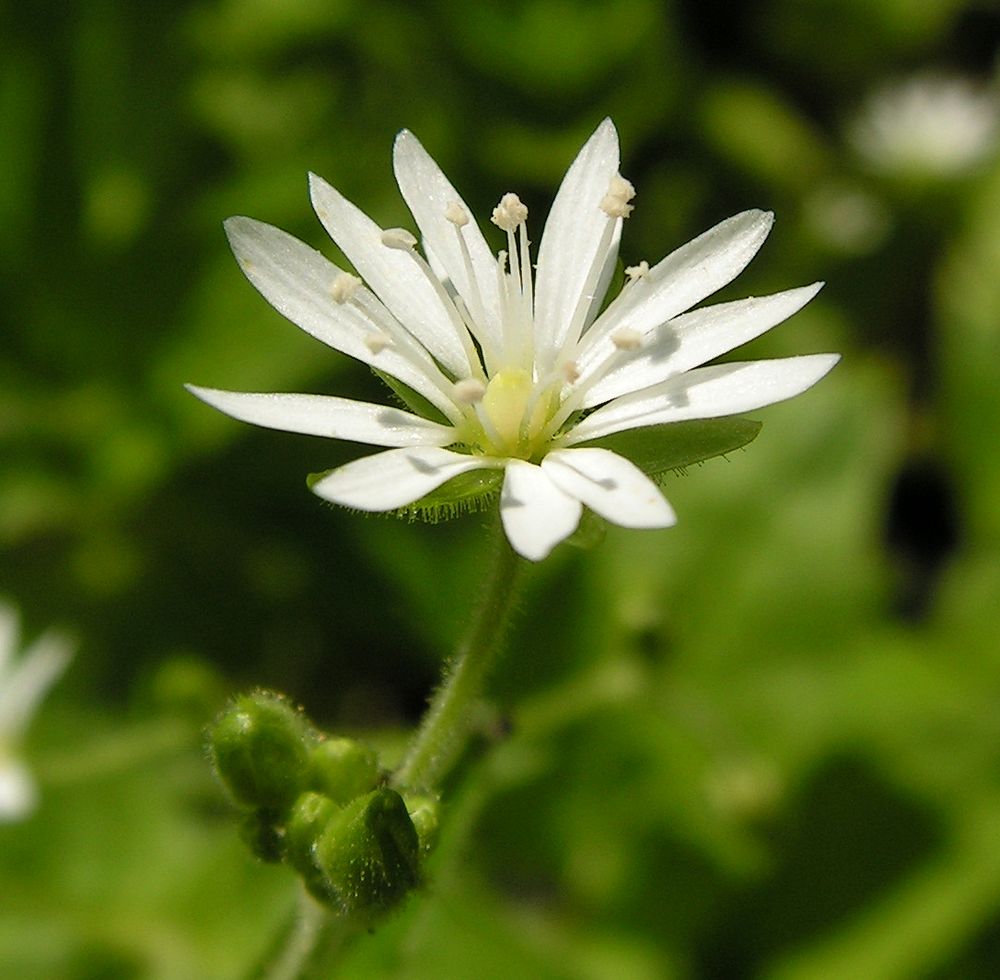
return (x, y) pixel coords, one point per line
(656, 449)
(413, 400)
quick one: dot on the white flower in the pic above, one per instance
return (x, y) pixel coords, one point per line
(933, 125)
(22, 686)
(523, 366)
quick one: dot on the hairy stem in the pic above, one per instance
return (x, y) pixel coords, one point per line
(444, 730)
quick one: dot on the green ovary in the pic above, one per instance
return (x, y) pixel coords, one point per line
(515, 415)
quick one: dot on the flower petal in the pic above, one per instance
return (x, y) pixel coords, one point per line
(295, 279)
(329, 416)
(609, 485)
(706, 393)
(572, 237)
(10, 630)
(18, 793)
(692, 339)
(685, 277)
(428, 193)
(28, 682)
(536, 514)
(393, 274)
(395, 478)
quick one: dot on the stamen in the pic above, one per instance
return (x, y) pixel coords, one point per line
(344, 286)
(468, 391)
(615, 202)
(464, 327)
(456, 214)
(398, 238)
(527, 288)
(509, 213)
(637, 272)
(627, 339)
(377, 341)
(571, 372)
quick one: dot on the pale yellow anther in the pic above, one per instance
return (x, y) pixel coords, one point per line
(640, 271)
(344, 286)
(456, 214)
(398, 238)
(509, 213)
(626, 338)
(377, 341)
(468, 391)
(615, 203)
(571, 372)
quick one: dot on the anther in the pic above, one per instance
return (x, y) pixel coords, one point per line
(509, 213)
(636, 272)
(627, 339)
(468, 391)
(456, 214)
(377, 341)
(344, 286)
(398, 238)
(571, 372)
(615, 203)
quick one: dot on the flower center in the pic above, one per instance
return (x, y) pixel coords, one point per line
(513, 413)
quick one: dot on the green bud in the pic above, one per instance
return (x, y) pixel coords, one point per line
(261, 832)
(307, 820)
(370, 854)
(260, 747)
(425, 816)
(343, 769)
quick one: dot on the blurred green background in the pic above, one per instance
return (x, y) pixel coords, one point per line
(765, 743)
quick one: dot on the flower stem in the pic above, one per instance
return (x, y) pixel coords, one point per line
(310, 946)
(442, 735)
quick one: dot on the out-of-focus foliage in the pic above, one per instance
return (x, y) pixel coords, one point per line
(763, 743)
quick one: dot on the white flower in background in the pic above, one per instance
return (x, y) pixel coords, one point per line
(23, 684)
(928, 125)
(522, 364)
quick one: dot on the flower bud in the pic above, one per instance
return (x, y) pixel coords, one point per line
(369, 853)
(260, 747)
(307, 821)
(343, 769)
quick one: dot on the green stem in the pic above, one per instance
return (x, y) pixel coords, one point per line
(310, 946)
(442, 734)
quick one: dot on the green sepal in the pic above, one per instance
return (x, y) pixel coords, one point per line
(466, 492)
(261, 831)
(369, 854)
(343, 769)
(413, 400)
(590, 532)
(260, 747)
(307, 821)
(425, 814)
(657, 449)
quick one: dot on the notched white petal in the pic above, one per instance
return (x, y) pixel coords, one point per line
(300, 283)
(685, 277)
(442, 216)
(695, 338)
(18, 793)
(572, 238)
(328, 416)
(609, 485)
(395, 478)
(391, 273)
(706, 393)
(536, 514)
